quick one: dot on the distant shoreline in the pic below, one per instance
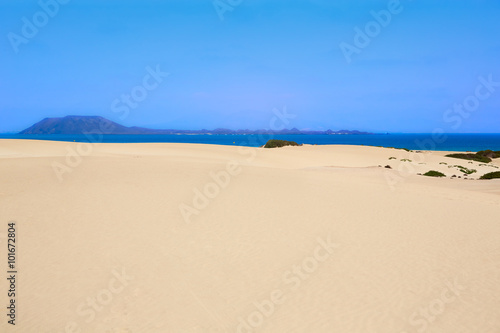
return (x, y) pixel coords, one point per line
(454, 142)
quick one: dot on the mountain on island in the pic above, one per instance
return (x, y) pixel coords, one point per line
(71, 125)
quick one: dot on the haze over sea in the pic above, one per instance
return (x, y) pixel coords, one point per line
(420, 141)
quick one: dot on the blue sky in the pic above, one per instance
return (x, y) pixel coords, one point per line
(264, 54)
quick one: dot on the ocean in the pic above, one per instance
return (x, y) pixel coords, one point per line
(448, 142)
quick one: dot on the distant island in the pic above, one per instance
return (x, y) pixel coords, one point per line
(72, 125)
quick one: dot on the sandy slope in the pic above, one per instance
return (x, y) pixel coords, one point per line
(296, 239)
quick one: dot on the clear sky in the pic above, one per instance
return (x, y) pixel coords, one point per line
(232, 65)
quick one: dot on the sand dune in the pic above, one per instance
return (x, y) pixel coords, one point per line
(202, 238)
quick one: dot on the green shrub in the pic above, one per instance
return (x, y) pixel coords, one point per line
(471, 156)
(280, 143)
(465, 170)
(489, 153)
(434, 173)
(491, 175)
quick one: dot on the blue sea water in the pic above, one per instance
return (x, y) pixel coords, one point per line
(448, 142)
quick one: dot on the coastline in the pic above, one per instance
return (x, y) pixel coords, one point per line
(421, 141)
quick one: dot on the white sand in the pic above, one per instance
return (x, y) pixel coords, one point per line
(407, 253)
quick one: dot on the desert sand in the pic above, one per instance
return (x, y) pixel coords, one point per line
(200, 238)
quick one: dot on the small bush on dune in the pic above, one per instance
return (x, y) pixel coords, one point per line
(465, 170)
(491, 175)
(489, 153)
(471, 156)
(434, 173)
(483, 156)
(280, 143)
